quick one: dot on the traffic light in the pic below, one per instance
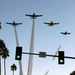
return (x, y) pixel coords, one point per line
(18, 54)
(60, 57)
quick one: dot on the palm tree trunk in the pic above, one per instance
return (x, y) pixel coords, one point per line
(4, 67)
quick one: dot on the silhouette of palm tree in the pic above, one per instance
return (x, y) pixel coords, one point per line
(2, 44)
(73, 73)
(4, 53)
(13, 68)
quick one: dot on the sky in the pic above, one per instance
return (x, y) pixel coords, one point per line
(47, 39)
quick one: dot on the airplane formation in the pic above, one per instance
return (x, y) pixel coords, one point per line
(34, 16)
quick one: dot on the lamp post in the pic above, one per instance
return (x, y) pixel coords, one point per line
(30, 62)
(17, 42)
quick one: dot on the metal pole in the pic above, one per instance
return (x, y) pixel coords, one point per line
(30, 63)
(17, 43)
(68, 57)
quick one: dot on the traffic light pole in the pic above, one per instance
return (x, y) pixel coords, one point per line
(48, 55)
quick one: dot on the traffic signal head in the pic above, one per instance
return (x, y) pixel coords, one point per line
(18, 55)
(60, 57)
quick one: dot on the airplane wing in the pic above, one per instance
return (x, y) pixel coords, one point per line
(9, 23)
(46, 23)
(38, 15)
(28, 15)
(62, 33)
(55, 23)
(68, 33)
(18, 23)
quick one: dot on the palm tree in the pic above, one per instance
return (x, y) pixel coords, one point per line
(73, 73)
(4, 54)
(13, 68)
(2, 45)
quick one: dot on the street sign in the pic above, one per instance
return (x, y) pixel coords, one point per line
(42, 54)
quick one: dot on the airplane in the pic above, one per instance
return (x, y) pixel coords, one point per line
(13, 24)
(33, 16)
(51, 23)
(65, 33)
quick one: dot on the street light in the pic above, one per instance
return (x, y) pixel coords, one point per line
(30, 63)
(14, 24)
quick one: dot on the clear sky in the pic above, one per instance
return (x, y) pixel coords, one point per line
(47, 38)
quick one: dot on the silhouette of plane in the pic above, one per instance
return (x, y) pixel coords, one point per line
(51, 23)
(33, 16)
(13, 24)
(65, 33)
